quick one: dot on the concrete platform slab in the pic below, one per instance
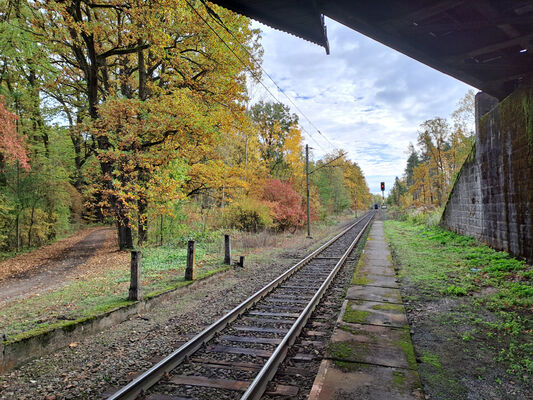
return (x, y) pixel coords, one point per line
(372, 344)
(372, 293)
(374, 257)
(376, 280)
(370, 355)
(374, 313)
(347, 381)
(376, 270)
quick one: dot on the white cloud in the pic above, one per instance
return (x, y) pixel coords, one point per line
(366, 98)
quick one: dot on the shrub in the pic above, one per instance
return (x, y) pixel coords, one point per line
(247, 215)
(286, 205)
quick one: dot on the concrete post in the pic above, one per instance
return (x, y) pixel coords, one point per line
(135, 292)
(190, 273)
(227, 250)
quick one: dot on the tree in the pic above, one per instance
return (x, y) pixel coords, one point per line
(412, 161)
(397, 192)
(151, 94)
(274, 122)
(433, 141)
(12, 148)
(339, 180)
(286, 205)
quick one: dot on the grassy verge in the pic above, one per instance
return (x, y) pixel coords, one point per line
(162, 270)
(473, 305)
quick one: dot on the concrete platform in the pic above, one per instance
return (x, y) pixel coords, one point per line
(374, 313)
(370, 355)
(355, 381)
(374, 293)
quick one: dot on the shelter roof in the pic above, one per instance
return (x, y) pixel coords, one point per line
(485, 43)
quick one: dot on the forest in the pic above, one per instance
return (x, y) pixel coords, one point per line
(136, 114)
(433, 164)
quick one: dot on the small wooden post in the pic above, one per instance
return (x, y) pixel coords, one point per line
(241, 261)
(227, 250)
(135, 278)
(190, 273)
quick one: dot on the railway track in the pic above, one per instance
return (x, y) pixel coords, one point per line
(237, 356)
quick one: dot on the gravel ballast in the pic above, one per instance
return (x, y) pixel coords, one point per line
(112, 358)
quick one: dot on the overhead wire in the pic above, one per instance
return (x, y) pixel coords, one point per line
(218, 20)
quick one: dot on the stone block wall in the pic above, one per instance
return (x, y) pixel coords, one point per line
(492, 198)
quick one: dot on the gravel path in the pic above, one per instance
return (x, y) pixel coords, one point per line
(51, 266)
(87, 369)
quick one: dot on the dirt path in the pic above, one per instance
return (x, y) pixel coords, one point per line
(51, 266)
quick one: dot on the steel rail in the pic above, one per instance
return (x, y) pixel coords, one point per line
(259, 384)
(150, 377)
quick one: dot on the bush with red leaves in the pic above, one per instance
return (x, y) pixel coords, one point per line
(287, 207)
(11, 144)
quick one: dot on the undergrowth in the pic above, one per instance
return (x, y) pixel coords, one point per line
(496, 289)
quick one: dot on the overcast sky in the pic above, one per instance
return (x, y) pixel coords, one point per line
(366, 98)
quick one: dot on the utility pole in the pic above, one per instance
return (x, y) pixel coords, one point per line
(355, 201)
(307, 184)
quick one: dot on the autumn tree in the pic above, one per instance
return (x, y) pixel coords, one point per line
(287, 206)
(442, 149)
(433, 141)
(151, 94)
(276, 126)
(12, 147)
(339, 181)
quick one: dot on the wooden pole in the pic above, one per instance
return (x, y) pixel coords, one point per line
(307, 189)
(135, 278)
(227, 250)
(355, 201)
(190, 273)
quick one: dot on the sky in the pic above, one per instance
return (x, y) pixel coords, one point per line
(364, 97)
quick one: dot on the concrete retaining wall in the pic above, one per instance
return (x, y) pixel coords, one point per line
(13, 354)
(492, 197)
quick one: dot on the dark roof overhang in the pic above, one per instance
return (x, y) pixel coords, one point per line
(485, 43)
(299, 18)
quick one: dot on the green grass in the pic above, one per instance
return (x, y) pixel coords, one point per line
(496, 289)
(162, 270)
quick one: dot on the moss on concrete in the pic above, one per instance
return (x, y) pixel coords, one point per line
(348, 366)
(398, 379)
(346, 351)
(354, 316)
(407, 347)
(361, 280)
(388, 307)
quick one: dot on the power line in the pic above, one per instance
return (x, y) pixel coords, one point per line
(218, 20)
(329, 162)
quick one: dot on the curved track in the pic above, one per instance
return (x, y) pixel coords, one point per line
(237, 356)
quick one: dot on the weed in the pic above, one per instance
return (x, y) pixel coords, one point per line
(453, 290)
(496, 290)
(431, 359)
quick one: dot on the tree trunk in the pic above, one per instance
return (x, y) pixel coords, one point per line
(31, 225)
(143, 226)
(125, 236)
